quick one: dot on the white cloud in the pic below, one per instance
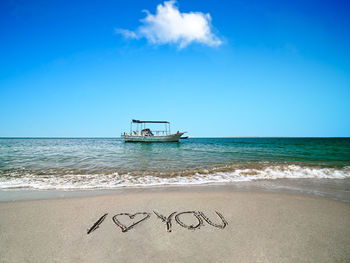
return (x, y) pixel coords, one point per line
(126, 33)
(169, 25)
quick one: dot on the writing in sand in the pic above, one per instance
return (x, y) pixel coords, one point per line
(127, 221)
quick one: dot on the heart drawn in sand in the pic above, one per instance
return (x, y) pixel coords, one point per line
(125, 228)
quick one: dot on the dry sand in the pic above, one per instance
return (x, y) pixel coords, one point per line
(262, 227)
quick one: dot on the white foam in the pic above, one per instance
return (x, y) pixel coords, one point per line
(115, 180)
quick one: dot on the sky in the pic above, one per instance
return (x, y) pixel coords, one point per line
(211, 68)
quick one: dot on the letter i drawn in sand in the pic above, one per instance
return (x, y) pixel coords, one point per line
(97, 224)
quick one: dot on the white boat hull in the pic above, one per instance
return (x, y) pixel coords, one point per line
(166, 138)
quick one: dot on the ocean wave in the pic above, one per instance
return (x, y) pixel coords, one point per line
(110, 180)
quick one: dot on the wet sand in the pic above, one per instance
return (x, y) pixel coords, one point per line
(261, 227)
(334, 189)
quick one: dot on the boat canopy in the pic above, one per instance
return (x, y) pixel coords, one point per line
(138, 121)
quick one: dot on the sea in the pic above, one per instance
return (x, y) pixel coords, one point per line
(109, 163)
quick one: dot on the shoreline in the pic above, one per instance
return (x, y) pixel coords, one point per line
(332, 189)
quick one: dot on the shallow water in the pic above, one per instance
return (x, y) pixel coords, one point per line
(111, 163)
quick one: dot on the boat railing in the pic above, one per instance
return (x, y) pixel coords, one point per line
(135, 133)
(161, 132)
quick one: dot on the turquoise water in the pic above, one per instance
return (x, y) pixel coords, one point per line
(109, 163)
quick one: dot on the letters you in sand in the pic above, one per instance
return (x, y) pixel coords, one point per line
(126, 221)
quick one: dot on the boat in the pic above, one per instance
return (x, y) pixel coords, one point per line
(144, 134)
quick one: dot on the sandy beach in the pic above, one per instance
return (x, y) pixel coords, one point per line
(206, 224)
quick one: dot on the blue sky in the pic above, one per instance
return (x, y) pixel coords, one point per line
(264, 68)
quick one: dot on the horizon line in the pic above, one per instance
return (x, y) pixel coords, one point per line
(190, 137)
